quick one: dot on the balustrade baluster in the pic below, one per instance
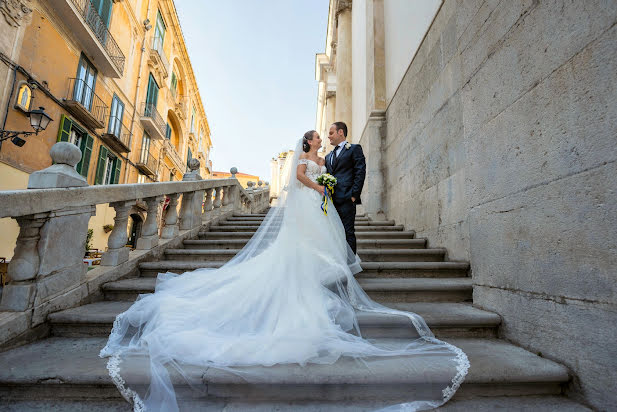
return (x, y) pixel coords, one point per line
(117, 252)
(171, 230)
(18, 295)
(149, 232)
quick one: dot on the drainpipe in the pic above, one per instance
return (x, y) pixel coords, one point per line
(8, 102)
(135, 102)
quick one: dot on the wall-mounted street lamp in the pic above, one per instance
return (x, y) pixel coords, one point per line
(39, 120)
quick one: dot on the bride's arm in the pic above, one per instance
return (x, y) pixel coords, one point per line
(301, 172)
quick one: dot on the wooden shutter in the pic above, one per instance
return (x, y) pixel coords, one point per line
(86, 154)
(100, 167)
(117, 167)
(64, 131)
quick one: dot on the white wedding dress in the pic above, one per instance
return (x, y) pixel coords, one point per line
(289, 296)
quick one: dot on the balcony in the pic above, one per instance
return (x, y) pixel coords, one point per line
(85, 105)
(118, 136)
(173, 155)
(152, 121)
(157, 58)
(146, 163)
(90, 30)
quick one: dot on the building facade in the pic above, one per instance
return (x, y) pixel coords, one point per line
(489, 129)
(243, 178)
(117, 80)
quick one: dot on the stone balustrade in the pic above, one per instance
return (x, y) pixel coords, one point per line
(53, 215)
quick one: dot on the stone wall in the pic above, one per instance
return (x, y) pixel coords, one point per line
(501, 146)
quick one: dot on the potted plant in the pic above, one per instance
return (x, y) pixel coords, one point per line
(108, 228)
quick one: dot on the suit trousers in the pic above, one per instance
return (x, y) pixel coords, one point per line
(347, 212)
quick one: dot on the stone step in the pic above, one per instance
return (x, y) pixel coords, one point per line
(369, 269)
(221, 227)
(362, 243)
(213, 234)
(69, 368)
(444, 319)
(413, 270)
(261, 219)
(545, 403)
(367, 255)
(407, 290)
(381, 289)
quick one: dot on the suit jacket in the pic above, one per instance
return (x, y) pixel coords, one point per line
(349, 168)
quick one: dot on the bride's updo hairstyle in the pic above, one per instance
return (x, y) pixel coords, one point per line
(305, 140)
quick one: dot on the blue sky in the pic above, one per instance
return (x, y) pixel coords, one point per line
(254, 62)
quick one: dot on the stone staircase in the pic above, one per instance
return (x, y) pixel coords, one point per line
(63, 372)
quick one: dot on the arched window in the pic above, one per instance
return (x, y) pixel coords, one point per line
(24, 97)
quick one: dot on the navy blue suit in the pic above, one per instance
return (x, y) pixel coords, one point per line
(349, 168)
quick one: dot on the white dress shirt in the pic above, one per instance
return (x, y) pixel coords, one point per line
(339, 148)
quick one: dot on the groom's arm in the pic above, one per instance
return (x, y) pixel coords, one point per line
(359, 172)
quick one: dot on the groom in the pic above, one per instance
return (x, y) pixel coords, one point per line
(346, 162)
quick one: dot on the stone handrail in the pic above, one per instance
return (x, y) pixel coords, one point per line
(53, 215)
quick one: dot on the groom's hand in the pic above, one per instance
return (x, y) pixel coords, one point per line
(353, 199)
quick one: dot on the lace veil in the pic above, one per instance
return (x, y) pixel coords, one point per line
(141, 334)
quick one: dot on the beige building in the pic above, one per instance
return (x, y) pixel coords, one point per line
(117, 80)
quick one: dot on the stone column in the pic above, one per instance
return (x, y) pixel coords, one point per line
(207, 203)
(343, 64)
(375, 130)
(150, 231)
(50, 248)
(171, 230)
(117, 252)
(191, 208)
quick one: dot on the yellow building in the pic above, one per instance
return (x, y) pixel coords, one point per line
(243, 178)
(116, 78)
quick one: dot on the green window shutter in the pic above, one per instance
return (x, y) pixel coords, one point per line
(65, 129)
(117, 167)
(100, 167)
(86, 154)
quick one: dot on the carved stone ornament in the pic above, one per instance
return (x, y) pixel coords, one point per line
(342, 5)
(14, 11)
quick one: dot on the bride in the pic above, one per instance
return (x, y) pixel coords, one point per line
(288, 297)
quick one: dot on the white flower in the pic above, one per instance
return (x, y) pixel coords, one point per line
(347, 146)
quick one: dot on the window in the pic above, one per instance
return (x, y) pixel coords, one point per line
(174, 84)
(168, 132)
(24, 97)
(145, 148)
(115, 117)
(193, 120)
(69, 131)
(108, 168)
(159, 32)
(141, 178)
(85, 82)
(152, 96)
(102, 8)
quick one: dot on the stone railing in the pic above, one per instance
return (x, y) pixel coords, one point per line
(47, 272)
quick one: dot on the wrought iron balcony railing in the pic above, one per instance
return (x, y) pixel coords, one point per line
(146, 162)
(152, 121)
(118, 135)
(85, 104)
(90, 14)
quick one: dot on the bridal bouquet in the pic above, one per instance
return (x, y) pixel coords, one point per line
(328, 181)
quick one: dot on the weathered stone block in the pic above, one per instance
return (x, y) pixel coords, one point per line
(67, 278)
(148, 242)
(17, 298)
(114, 257)
(69, 299)
(63, 239)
